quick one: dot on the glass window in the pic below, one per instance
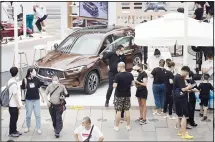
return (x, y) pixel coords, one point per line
(87, 44)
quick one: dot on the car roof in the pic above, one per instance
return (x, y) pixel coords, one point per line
(99, 29)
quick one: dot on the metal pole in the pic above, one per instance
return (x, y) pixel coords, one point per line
(185, 62)
(24, 19)
(63, 17)
(16, 40)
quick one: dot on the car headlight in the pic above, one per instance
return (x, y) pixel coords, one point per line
(75, 70)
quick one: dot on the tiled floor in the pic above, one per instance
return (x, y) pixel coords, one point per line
(160, 130)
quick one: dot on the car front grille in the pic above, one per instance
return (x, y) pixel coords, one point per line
(50, 72)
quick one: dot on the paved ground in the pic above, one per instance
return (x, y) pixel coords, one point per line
(161, 130)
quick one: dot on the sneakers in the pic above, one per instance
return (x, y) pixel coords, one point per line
(138, 120)
(180, 133)
(39, 131)
(128, 128)
(204, 118)
(106, 104)
(187, 136)
(19, 133)
(172, 117)
(188, 126)
(26, 130)
(116, 128)
(14, 135)
(193, 124)
(165, 116)
(142, 122)
(201, 115)
(57, 135)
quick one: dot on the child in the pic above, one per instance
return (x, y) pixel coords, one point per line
(142, 92)
(204, 96)
(192, 99)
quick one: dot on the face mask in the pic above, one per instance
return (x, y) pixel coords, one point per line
(55, 82)
(120, 53)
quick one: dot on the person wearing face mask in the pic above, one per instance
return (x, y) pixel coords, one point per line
(142, 92)
(31, 98)
(57, 92)
(153, 61)
(113, 59)
(88, 132)
(168, 85)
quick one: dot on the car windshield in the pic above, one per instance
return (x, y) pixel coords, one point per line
(87, 44)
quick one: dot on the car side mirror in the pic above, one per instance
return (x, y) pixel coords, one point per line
(56, 46)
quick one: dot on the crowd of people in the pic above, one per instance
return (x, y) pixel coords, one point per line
(173, 91)
(170, 88)
(31, 10)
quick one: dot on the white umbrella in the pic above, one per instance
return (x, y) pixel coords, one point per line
(169, 30)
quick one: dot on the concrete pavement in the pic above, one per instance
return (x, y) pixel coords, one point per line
(157, 129)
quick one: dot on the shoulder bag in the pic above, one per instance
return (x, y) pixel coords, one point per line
(90, 134)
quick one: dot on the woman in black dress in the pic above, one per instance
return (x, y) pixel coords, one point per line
(142, 92)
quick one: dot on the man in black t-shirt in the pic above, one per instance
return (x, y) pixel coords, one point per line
(113, 59)
(123, 82)
(180, 90)
(198, 14)
(168, 85)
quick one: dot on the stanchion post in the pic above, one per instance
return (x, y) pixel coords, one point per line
(16, 40)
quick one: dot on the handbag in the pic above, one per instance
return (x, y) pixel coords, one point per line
(88, 138)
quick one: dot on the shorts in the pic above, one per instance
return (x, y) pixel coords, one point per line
(142, 94)
(181, 108)
(204, 102)
(122, 103)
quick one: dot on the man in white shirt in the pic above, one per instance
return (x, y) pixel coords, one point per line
(207, 66)
(88, 132)
(14, 104)
(28, 8)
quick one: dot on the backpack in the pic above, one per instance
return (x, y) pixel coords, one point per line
(4, 98)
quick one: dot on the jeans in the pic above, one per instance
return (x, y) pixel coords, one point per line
(30, 106)
(158, 91)
(56, 115)
(168, 102)
(29, 21)
(14, 113)
(38, 22)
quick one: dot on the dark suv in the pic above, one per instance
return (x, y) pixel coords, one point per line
(77, 60)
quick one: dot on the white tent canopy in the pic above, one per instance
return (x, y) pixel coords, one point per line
(169, 30)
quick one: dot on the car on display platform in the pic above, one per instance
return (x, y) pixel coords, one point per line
(91, 8)
(78, 59)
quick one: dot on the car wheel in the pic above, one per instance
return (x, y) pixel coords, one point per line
(137, 59)
(92, 83)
